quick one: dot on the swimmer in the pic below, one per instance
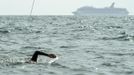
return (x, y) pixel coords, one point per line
(35, 56)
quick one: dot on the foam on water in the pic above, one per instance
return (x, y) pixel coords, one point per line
(53, 60)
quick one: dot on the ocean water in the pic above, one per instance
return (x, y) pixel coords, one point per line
(85, 45)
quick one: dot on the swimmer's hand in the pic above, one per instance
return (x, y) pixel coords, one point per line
(52, 55)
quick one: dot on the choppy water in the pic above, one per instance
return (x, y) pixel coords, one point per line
(86, 45)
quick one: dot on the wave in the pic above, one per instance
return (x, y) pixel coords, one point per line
(59, 65)
(118, 27)
(67, 46)
(31, 47)
(4, 31)
(122, 54)
(119, 38)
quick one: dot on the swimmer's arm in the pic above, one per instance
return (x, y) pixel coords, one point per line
(45, 54)
(36, 53)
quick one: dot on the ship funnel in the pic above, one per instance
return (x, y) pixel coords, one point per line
(112, 5)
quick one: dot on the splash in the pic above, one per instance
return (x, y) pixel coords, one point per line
(53, 60)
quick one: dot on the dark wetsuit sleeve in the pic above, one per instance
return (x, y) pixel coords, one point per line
(35, 55)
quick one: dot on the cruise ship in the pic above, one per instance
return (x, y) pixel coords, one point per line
(112, 11)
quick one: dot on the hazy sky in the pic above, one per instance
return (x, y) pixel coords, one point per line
(57, 7)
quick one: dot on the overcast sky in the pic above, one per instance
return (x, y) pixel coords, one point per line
(57, 7)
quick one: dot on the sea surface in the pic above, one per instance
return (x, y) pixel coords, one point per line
(85, 45)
